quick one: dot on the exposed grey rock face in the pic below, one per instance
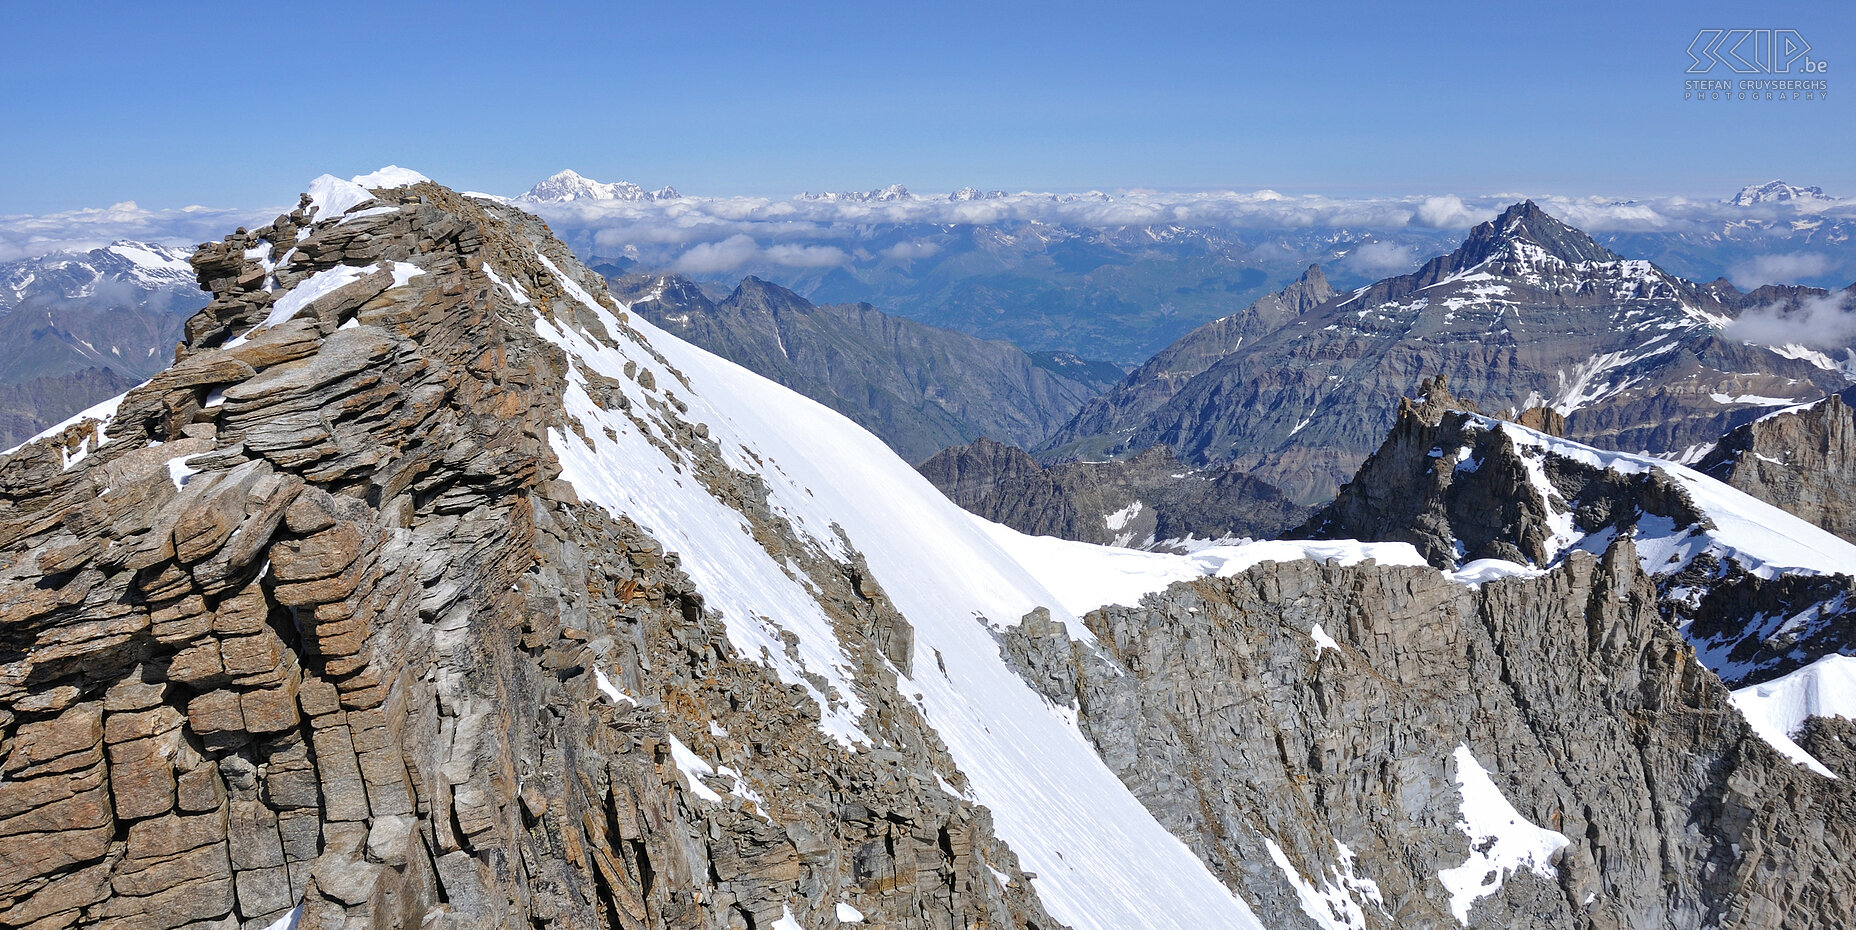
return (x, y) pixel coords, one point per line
(1526, 312)
(320, 626)
(919, 388)
(1148, 501)
(1803, 461)
(1460, 488)
(1300, 724)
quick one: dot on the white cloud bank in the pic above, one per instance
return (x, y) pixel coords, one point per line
(717, 235)
(1826, 322)
(24, 236)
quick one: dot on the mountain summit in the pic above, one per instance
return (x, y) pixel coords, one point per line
(1527, 312)
(1519, 227)
(569, 187)
(1778, 192)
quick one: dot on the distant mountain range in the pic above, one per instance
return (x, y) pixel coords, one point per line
(1527, 312)
(569, 187)
(919, 388)
(77, 327)
(1121, 275)
(140, 273)
(1778, 192)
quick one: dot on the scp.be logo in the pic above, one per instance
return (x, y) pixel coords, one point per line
(1753, 51)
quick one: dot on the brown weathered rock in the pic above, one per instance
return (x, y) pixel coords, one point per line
(1803, 461)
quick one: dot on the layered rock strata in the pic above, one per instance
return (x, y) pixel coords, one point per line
(309, 625)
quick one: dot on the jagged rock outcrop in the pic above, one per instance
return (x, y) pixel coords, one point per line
(920, 388)
(1150, 500)
(1527, 312)
(311, 621)
(1314, 732)
(1758, 592)
(1801, 460)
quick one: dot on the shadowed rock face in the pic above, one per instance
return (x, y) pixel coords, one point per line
(1146, 501)
(319, 624)
(1803, 461)
(1527, 312)
(919, 388)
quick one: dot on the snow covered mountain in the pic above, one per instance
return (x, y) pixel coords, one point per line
(1527, 312)
(568, 187)
(891, 194)
(968, 194)
(432, 587)
(136, 272)
(78, 327)
(1778, 192)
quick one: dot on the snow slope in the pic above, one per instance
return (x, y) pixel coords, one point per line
(1502, 841)
(1776, 709)
(1762, 538)
(1084, 576)
(1102, 862)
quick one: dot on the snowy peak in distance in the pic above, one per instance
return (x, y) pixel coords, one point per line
(569, 187)
(890, 194)
(150, 262)
(973, 193)
(74, 275)
(1778, 192)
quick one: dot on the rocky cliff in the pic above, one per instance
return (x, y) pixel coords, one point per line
(309, 624)
(1147, 501)
(1378, 747)
(1758, 591)
(1802, 460)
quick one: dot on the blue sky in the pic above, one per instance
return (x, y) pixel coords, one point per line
(156, 103)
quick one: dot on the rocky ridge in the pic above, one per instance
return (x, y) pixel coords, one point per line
(1147, 389)
(308, 625)
(1758, 591)
(1147, 501)
(1309, 729)
(1803, 460)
